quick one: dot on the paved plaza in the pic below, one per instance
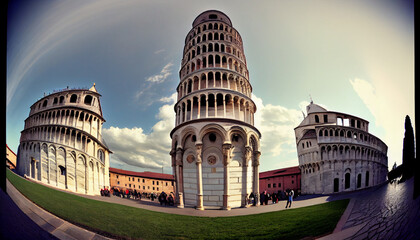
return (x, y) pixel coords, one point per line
(383, 212)
(388, 212)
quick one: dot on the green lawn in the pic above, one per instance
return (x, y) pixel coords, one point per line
(128, 222)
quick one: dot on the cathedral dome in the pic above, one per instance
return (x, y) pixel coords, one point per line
(312, 108)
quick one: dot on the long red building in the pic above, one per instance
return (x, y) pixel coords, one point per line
(280, 180)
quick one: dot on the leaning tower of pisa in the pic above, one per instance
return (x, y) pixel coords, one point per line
(215, 146)
(61, 144)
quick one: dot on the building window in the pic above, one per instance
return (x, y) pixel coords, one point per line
(153, 183)
(118, 182)
(274, 185)
(293, 182)
(143, 180)
(269, 185)
(279, 184)
(129, 185)
(325, 118)
(138, 180)
(153, 188)
(144, 188)
(157, 189)
(347, 181)
(157, 183)
(117, 176)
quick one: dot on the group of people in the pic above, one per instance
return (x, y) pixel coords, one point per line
(105, 192)
(264, 197)
(165, 199)
(128, 193)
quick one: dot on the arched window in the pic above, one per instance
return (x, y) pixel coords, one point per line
(88, 100)
(73, 98)
(347, 181)
(367, 179)
(101, 155)
(316, 119)
(44, 104)
(359, 180)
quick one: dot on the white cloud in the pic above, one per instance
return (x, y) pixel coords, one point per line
(134, 147)
(159, 51)
(164, 73)
(389, 113)
(276, 124)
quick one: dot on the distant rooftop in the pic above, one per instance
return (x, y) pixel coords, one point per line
(153, 175)
(280, 172)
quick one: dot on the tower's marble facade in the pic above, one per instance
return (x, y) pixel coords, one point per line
(215, 146)
(337, 153)
(61, 144)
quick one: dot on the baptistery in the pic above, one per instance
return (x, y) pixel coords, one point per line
(61, 144)
(337, 153)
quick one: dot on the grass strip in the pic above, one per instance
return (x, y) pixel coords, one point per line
(135, 223)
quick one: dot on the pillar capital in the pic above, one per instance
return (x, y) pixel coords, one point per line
(198, 150)
(256, 161)
(227, 149)
(178, 158)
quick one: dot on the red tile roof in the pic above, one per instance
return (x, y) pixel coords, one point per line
(280, 172)
(10, 150)
(153, 175)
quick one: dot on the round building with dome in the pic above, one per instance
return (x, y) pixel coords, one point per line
(61, 144)
(215, 146)
(337, 153)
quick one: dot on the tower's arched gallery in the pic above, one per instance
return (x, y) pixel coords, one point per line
(337, 153)
(215, 146)
(61, 144)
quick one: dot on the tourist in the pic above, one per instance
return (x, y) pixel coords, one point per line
(251, 197)
(266, 197)
(290, 195)
(262, 198)
(170, 200)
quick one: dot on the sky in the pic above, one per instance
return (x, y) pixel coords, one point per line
(355, 57)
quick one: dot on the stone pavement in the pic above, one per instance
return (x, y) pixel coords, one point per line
(385, 212)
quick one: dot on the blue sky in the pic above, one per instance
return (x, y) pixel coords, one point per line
(355, 57)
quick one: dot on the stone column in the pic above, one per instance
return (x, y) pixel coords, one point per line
(198, 149)
(198, 107)
(224, 106)
(247, 157)
(255, 165)
(207, 106)
(226, 160)
(179, 184)
(173, 164)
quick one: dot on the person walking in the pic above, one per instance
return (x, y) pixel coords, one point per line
(290, 195)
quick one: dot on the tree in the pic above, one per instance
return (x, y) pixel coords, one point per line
(408, 150)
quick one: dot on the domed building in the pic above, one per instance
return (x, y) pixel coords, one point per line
(61, 144)
(215, 146)
(337, 153)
